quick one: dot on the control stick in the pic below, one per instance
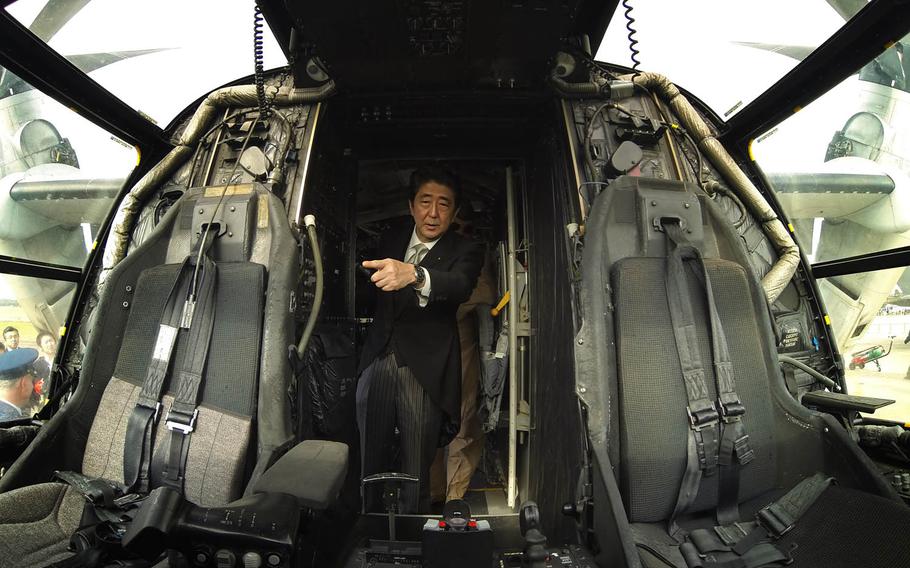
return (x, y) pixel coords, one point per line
(393, 483)
(535, 553)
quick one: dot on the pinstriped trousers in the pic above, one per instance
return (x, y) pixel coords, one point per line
(389, 396)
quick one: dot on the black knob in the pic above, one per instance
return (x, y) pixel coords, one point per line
(570, 510)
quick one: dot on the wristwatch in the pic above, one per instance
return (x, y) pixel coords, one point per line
(419, 277)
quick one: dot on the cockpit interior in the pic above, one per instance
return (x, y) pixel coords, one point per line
(683, 344)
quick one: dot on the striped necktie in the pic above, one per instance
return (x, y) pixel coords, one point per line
(416, 253)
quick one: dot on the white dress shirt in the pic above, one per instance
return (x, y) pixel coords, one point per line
(423, 293)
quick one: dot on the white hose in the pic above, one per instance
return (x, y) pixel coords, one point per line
(783, 270)
(310, 222)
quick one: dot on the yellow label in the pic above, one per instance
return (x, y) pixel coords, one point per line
(751, 153)
(790, 226)
(138, 155)
(262, 211)
(827, 320)
(228, 190)
(797, 109)
(62, 330)
(94, 245)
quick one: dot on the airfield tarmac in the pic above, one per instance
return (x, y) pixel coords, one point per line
(893, 381)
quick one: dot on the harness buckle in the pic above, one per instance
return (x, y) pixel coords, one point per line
(731, 411)
(776, 524)
(702, 418)
(175, 425)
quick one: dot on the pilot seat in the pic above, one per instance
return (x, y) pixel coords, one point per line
(198, 417)
(704, 459)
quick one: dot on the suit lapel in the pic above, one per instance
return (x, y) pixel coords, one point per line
(443, 249)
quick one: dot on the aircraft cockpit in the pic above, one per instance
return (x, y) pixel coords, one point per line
(653, 311)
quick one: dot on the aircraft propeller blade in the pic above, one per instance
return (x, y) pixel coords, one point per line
(55, 15)
(847, 8)
(11, 84)
(797, 52)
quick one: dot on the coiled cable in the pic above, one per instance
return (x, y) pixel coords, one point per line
(258, 64)
(630, 23)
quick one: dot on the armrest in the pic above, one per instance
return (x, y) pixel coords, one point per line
(313, 472)
(840, 401)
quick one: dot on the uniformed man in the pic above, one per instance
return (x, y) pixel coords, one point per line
(17, 382)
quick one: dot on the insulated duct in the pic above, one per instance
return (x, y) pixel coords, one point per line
(782, 271)
(240, 96)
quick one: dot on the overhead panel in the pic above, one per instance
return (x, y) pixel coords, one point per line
(390, 44)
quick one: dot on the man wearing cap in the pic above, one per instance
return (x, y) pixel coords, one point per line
(17, 382)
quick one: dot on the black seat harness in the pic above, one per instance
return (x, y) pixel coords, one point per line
(111, 505)
(197, 318)
(754, 544)
(708, 420)
(731, 544)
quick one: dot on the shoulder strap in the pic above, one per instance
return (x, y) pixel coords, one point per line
(181, 418)
(734, 449)
(141, 426)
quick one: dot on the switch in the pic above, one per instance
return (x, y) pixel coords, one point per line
(225, 559)
(252, 560)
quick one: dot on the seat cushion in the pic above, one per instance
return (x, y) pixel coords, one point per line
(847, 528)
(36, 523)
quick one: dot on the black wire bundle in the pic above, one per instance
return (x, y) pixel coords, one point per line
(259, 64)
(630, 23)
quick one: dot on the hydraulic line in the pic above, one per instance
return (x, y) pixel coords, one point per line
(815, 374)
(310, 222)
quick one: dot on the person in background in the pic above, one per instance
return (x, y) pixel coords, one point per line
(11, 337)
(17, 383)
(451, 476)
(47, 343)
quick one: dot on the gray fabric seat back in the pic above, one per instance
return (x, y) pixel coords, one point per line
(653, 423)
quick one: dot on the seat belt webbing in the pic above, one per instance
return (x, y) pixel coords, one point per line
(752, 544)
(181, 418)
(141, 425)
(703, 413)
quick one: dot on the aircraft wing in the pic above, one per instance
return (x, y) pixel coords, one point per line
(829, 195)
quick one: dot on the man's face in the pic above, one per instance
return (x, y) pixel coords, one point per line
(48, 345)
(433, 209)
(12, 339)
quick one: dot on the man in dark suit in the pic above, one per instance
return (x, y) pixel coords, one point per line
(411, 365)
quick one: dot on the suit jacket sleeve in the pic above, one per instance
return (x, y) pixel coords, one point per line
(456, 285)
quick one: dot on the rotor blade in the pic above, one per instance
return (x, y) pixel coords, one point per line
(11, 84)
(847, 8)
(55, 15)
(797, 52)
(88, 62)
